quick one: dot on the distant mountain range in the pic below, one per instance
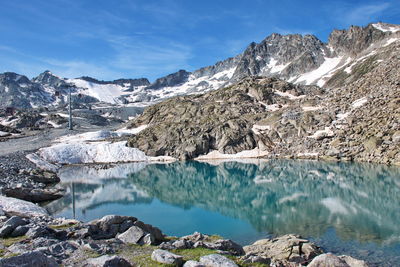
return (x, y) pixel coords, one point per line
(294, 58)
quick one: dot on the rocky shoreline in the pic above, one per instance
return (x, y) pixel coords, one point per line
(30, 236)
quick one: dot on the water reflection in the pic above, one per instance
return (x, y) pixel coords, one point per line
(359, 202)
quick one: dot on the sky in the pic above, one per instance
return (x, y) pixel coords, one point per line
(108, 40)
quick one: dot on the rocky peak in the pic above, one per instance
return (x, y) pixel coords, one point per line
(49, 79)
(132, 82)
(173, 79)
(289, 54)
(12, 77)
(355, 39)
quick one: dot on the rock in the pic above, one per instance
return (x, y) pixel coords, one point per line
(35, 195)
(328, 259)
(248, 259)
(63, 249)
(352, 262)
(193, 264)
(216, 260)
(10, 225)
(21, 208)
(287, 249)
(6, 230)
(132, 236)
(45, 177)
(148, 239)
(34, 258)
(182, 244)
(109, 226)
(166, 257)
(20, 231)
(108, 261)
(41, 231)
(154, 231)
(396, 137)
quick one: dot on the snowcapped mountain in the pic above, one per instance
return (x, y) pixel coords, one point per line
(295, 58)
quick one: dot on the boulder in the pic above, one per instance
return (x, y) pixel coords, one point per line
(35, 195)
(10, 225)
(20, 231)
(132, 236)
(287, 249)
(352, 262)
(193, 264)
(109, 226)
(21, 208)
(34, 258)
(222, 244)
(216, 260)
(166, 257)
(108, 261)
(328, 259)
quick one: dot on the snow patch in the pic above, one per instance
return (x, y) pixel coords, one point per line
(390, 41)
(99, 152)
(215, 154)
(308, 108)
(327, 132)
(359, 102)
(326, 68)
(4, 133)
(257, 129)
(386, 28)
(288, 95)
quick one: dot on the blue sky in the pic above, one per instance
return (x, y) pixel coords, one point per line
(152, 38)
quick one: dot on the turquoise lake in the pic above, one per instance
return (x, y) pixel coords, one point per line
(346, 208)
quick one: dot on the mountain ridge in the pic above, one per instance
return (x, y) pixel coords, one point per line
(300, 59)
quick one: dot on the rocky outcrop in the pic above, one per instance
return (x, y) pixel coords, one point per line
(283, 251)
(173, 79)
(187, 127)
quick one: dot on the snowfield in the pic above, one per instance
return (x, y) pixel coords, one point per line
(91, 147)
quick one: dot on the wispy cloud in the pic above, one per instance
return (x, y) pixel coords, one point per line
(364, 14)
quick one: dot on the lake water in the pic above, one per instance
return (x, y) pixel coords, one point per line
(346, 208)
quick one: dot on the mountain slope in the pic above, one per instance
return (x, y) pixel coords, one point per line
(356, 120)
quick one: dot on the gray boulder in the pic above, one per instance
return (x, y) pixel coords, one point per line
(35, 258)
(132, 236)
(328, 259)
(10, 225)
(193, 264)
(21, 208)
(166, 257)
(20, 231)
(287, 249)
(216, 260)
(108, 261)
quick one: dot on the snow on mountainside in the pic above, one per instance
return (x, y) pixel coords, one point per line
(295, 58)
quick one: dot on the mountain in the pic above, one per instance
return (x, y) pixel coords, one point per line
(354, 116)
(294, 58)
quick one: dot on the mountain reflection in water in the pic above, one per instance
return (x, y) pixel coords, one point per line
(349, 203)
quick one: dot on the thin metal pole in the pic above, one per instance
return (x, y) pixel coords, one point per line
(73, 199)
(70, 110)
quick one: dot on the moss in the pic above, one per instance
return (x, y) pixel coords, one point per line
(63, 226)
(146, 261)
(12, 240)
(91, 253)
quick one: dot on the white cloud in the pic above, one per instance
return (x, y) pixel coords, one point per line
(365, 14)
